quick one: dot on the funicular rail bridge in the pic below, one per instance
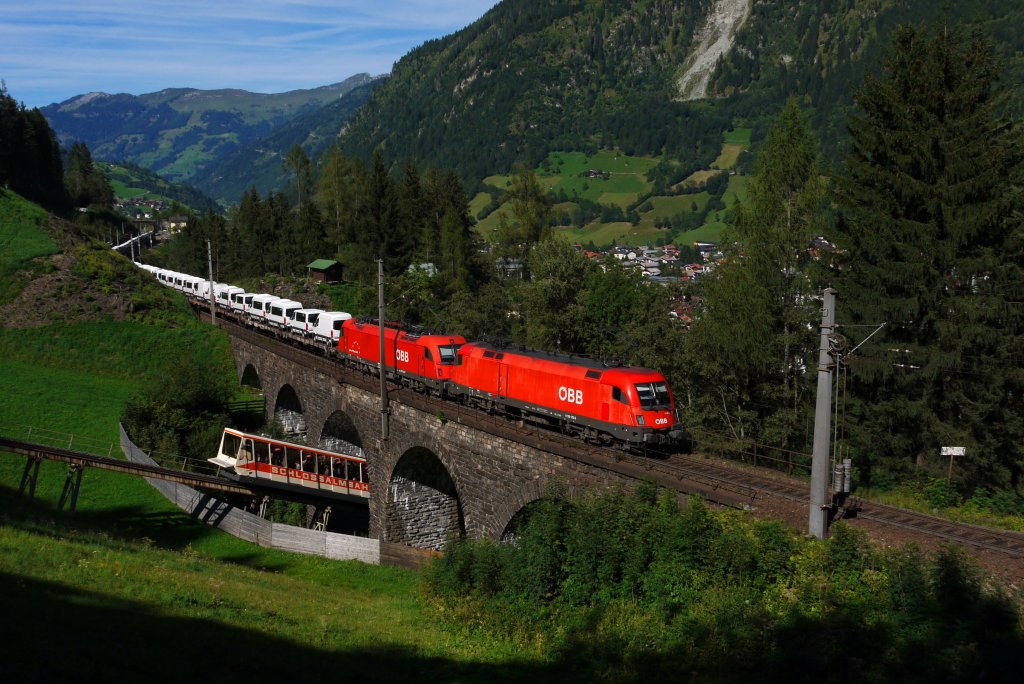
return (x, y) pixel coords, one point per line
(78, 460)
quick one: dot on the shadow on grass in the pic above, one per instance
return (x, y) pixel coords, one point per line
(53, 634)
(173, 530)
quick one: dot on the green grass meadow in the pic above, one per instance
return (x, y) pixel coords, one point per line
(621, 232)
(22, 242)
(124, 191)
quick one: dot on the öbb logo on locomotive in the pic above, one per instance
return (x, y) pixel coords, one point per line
(572, 396)
(625, 406)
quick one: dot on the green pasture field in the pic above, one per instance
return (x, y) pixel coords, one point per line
(737, 190)
(22, 240)
(489, 224)
(481, 200)
(575, 163)
(697, 177)
(622, 199)
(126, 192)
(727, 158)
(622, 189)
(735, 141)
(665, 207)
(500, 181)
(560, 207)
(626, 184)
(738, 136)
(627, 180)
(113, 348)
(709, 232)
(603, 234)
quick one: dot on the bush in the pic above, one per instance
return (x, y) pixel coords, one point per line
(629, 587)
(183, 410)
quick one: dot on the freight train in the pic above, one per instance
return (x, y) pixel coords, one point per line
(610, 405)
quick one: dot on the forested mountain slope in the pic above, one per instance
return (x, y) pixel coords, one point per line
(530, 77)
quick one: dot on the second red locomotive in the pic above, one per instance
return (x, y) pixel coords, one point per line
(421, 360)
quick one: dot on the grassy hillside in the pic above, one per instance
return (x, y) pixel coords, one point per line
(23, 243)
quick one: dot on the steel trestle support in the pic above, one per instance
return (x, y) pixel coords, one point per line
(30, 476)
(71, 486)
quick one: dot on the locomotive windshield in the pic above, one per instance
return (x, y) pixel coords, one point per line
(448, 353)
(653, 395)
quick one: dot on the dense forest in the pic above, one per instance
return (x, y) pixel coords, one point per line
(33, 164)
(30, 162)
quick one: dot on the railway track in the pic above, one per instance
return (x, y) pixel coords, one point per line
(1005, 541)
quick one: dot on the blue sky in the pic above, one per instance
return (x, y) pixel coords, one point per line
(51, 50)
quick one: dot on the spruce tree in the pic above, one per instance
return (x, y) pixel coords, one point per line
(930, 228)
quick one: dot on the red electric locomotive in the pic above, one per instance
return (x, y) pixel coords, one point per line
(584, 397)
(423, 361)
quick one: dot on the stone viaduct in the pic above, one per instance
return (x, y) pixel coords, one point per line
(444, 468)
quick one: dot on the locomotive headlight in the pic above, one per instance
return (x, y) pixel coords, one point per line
(640, 420)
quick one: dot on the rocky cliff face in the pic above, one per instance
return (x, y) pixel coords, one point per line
(713, 40)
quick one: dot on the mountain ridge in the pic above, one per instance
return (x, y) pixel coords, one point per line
(175, 132)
